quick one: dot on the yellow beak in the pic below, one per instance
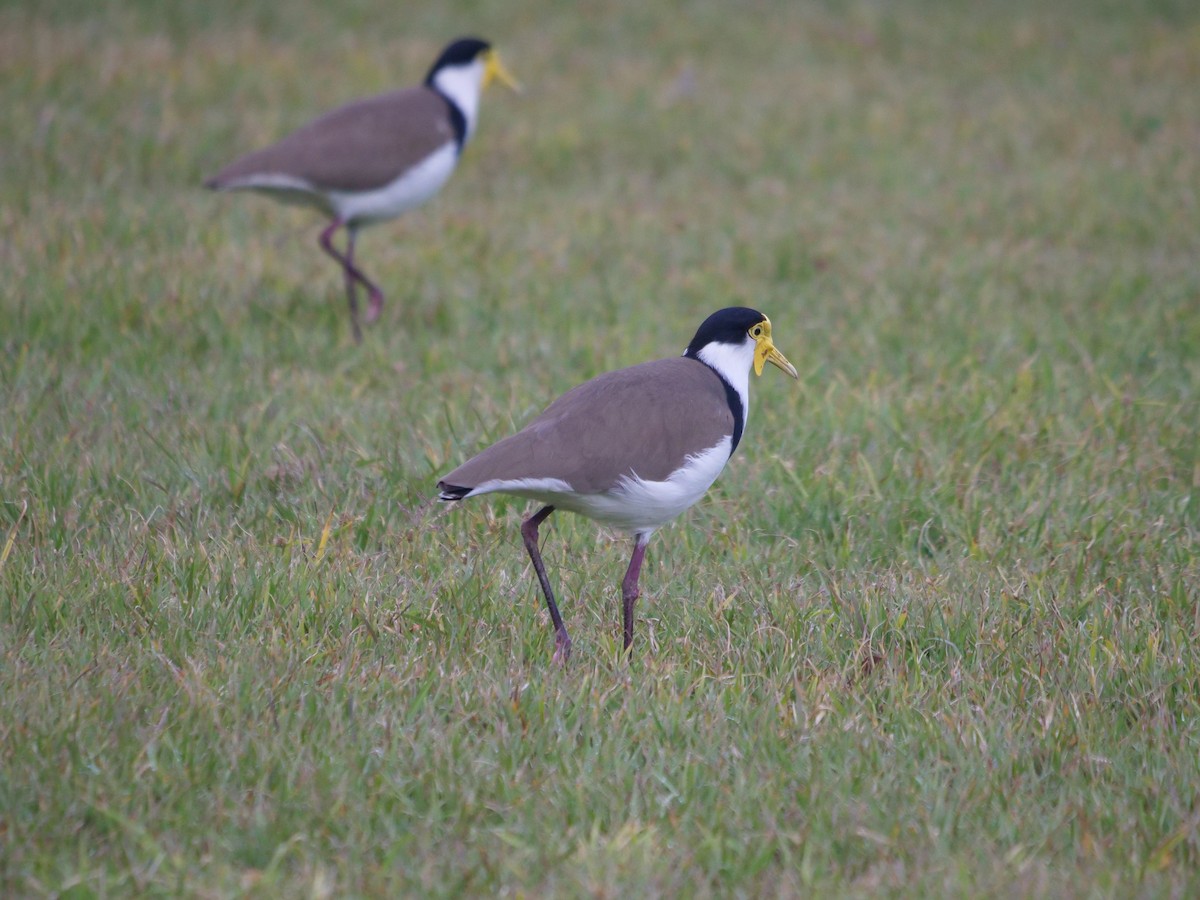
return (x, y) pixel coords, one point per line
(495, 71)
(765, 352)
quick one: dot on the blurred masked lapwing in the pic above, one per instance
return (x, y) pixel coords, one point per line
(632, 448)
(374, 159)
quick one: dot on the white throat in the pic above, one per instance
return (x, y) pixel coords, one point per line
(462, 85)
(733, 362)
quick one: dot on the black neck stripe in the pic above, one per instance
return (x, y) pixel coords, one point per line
(735, 407)
(457, 120)
(732, 397)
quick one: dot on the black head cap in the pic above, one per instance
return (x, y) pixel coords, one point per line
(725, 326)
(458, 53)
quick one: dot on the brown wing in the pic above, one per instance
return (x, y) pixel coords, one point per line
(643, 421)
(359, 146)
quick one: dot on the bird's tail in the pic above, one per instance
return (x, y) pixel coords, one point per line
(452, 491)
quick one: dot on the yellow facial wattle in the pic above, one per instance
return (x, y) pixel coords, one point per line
(765, 352)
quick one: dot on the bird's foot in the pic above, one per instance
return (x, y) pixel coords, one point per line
(562, 648)
(374, 305)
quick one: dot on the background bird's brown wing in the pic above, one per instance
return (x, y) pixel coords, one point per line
(358, 146)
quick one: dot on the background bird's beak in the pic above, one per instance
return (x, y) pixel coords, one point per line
(495, 71)
(765, 352)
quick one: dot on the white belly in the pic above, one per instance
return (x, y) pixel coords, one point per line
(411, 189)
(633, 504)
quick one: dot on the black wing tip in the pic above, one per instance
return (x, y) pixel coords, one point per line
(450, 492)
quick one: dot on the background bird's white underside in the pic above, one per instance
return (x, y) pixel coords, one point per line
(633, 504)
(417, 185)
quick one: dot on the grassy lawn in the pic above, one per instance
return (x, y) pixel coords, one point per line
(935, 632)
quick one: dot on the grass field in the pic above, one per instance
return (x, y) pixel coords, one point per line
(934, 632)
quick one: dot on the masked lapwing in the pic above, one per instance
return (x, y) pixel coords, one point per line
(374, 159)
(632, 448)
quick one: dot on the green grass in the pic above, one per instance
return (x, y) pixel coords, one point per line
(933, 633)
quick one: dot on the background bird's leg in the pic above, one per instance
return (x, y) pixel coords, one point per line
(529, 532)
(374, 294)
(629, 587)
(348, 269)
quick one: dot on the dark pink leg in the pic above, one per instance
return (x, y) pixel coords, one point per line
(629, 587)
(352, 274)
(374, 295)
(529, 532)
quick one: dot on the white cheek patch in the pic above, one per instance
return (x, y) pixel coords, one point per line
(463, 85)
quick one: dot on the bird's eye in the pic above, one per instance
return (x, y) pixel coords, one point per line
(756, 331)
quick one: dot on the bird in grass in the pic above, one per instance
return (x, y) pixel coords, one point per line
(374, 159)
(632, 448)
